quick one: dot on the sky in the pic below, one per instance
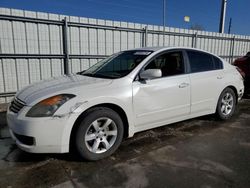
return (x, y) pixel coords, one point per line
(202, 12)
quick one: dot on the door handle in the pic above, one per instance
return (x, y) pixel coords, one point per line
(183, 85)
(219, 77)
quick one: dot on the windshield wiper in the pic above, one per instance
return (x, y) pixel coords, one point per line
(87, 74)
(97, 75)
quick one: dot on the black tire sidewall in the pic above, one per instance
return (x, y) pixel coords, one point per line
(219, 114)
(84, 125)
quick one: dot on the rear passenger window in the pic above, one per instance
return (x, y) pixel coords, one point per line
(200, 62)
(217, 63)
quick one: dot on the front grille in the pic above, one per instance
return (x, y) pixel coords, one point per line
(16, 105)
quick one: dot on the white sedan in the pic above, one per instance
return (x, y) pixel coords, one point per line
(128, 92)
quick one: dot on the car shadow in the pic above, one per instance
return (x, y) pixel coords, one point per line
(141, 142)
(3, 122)
(246, 96)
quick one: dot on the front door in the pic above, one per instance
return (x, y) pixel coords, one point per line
(162, 99)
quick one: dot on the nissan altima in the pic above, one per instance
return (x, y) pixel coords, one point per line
(128, 92)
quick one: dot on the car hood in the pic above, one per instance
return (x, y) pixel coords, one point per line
(59, 85)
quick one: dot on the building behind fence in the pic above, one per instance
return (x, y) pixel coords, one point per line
(36, 46)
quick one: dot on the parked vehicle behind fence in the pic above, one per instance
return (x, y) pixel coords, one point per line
(243, 64)
(128, 92)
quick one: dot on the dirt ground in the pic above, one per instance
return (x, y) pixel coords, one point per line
(201, 152)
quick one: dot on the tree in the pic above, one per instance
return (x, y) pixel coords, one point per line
(197, 27)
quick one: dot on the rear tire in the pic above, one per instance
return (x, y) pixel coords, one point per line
(99, 134)
(226, 104)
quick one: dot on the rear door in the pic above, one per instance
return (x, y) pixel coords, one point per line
(206, 77)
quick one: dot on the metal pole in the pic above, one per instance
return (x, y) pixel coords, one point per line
(232, 50)
(164, 20)
(65, 46)
(223, 15)
(146, 36)
(164, 13)
(194, 40)
(230, 25)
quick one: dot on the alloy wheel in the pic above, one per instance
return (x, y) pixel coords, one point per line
(227, 104)
(101, 135)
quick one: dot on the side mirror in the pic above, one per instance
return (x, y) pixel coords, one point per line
(150, 74)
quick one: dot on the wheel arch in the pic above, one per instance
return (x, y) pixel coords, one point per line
(112, 106)
(235, 91)
(218, 112)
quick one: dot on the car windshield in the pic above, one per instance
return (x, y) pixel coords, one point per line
(117, 65)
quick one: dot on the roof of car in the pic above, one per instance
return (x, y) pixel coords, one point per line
(162, 48)
(165, 47)
(151, 48)
(155, 49)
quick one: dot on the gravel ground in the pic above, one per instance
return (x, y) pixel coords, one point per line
(201, 152)
(3, 107)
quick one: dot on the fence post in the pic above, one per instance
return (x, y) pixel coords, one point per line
(232, 49)
(65, 46)
(146, 36)
(194, 40)
(164, 30)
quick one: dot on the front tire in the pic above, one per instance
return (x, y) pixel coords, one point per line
(99, 134)
(226, 104)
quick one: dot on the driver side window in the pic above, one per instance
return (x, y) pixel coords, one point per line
(170, 64)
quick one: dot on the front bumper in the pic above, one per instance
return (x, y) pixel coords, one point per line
(47, 134)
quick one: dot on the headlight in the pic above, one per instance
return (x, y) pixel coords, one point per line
(48, 107)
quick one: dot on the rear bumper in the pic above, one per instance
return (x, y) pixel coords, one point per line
(240, 94)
